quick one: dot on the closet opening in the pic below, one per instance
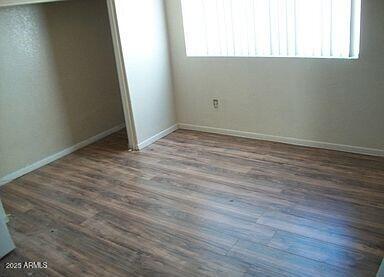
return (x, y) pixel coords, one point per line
(59, 86)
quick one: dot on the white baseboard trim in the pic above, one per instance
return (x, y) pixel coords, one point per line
(317, 144)
(158, 136)
(287, 140)
(10, 177)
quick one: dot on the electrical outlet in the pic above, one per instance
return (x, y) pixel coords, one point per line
(216, 103)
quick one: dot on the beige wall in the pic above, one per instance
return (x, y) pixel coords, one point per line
(144, 41)
(58, 84)
(333, 101)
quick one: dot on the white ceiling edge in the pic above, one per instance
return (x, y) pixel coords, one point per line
(7, 3)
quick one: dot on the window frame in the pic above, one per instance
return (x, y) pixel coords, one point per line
(354, 47)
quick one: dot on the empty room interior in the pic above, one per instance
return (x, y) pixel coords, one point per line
(191, 138)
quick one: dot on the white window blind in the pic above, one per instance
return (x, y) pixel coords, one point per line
(275, 28)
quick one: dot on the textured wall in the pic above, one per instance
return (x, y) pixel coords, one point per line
(144, 40)
(58, 84)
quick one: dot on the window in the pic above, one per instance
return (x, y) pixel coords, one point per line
(272, 28)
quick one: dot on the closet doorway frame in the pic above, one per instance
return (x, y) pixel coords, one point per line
(122, 75)
(119, 60)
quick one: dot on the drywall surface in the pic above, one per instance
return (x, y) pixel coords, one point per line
(58, 84)
(333, 101)
(144, 42)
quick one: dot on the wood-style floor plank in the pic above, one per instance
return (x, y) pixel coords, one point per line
(199, 204)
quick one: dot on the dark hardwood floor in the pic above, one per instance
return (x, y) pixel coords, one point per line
(197, 204)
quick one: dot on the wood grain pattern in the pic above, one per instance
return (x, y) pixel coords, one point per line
(198, 204)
